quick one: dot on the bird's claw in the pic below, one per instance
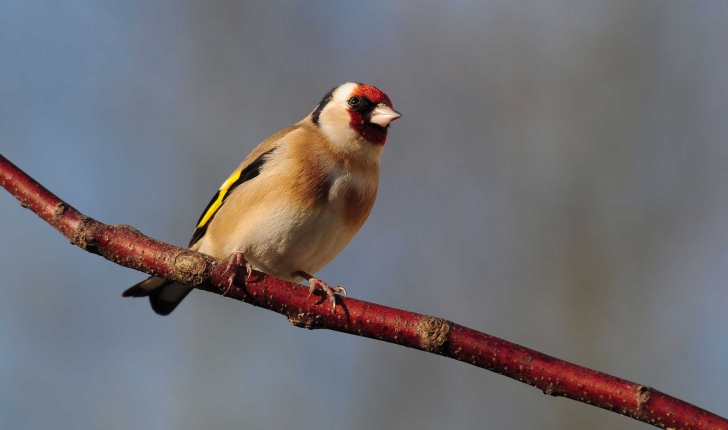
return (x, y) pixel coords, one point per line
(236, 261)
(330, 291)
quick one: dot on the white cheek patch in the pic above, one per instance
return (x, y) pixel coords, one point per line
(339, 131)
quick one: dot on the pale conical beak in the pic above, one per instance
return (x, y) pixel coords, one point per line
(383, 115)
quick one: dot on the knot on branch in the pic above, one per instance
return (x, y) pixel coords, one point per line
(84, 237)
(190, 267)
(643, 396)
(305, 320)
(433, 333)
(60, 209)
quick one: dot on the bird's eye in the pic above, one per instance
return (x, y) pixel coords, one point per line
(354, 101)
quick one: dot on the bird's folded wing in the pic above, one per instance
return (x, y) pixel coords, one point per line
(249, 169)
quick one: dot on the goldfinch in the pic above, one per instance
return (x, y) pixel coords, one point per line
(297, 200)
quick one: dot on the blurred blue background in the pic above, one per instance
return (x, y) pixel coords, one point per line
(558, 180)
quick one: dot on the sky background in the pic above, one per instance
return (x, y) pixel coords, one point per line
(558, 180)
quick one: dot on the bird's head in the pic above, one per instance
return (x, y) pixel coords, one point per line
(356, 113)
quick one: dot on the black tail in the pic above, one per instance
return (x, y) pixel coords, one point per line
(164, 295)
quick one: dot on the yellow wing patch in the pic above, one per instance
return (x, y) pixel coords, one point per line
(215, 204)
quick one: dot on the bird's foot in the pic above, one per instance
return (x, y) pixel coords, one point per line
(330, 291)
(237, 260)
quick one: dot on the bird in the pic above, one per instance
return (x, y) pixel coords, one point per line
(297, 199)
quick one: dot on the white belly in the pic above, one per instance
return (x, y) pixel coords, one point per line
(286, 242)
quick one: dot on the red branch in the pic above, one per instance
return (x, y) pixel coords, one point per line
(128, 247)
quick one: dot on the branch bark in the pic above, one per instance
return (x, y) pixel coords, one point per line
(128, 247)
